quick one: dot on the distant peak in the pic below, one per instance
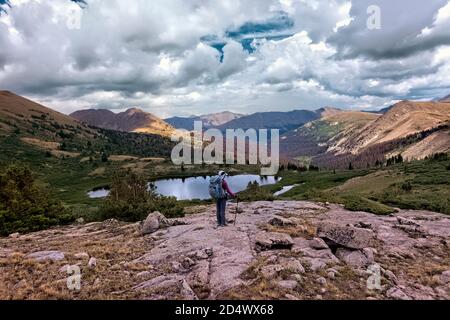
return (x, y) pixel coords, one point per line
(328, 111)
(134, 110)
(445, 99)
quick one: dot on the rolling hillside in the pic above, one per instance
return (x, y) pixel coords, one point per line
(132, 120)
(22, 116)
(415, 130)
(30, 124)
(403, 119)
(318, 136)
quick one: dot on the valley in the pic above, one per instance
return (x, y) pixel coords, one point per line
(277, 245)
(72, 158)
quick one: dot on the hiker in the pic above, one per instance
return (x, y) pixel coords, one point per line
(220, 191)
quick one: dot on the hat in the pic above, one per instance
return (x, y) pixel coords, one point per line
(223, 173)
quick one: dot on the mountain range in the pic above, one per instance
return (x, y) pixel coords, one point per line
(327, 137)
(413, 129)
(209, 121)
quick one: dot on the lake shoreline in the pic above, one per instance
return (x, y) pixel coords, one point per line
(194, 187)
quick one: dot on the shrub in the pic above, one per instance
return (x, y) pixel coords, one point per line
(256, 193)
(24, 207)
(132, 200)
(407, 186)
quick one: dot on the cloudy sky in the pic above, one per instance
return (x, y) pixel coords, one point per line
(184, 57)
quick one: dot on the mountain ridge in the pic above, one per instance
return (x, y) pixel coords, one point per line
(445, 99)
(413, 129)
(403, 119)
(131, 120)
(208, 120)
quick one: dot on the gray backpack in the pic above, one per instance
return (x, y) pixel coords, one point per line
(215, 188)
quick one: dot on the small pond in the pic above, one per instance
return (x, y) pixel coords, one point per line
(196, 187)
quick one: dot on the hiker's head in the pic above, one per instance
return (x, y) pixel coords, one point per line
(223, 174)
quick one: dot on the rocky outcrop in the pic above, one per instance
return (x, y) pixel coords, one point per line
(272, 241)
(46, 255)
(326, 253)
(281, 222)
(345, 236)
(355, 258)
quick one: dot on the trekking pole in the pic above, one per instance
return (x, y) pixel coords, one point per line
(237, 209)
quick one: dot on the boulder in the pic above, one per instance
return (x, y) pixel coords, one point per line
(14, 235)
(92, 263)
(46, 255)
(354, 258)
(318, 244)
(322, 281)
(273, 241)
(397, 294)
(281, 222)
(346, 236)
(293, 265)
(156, 221)
(153, 223)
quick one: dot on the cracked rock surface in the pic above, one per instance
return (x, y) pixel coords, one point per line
(288, 250)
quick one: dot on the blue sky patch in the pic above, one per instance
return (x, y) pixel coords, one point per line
(2, 4)
(248, 34)
(278, 23)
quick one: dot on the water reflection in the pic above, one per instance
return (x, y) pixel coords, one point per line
(197, 187)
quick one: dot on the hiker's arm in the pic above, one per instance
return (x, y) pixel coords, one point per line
(227, 189)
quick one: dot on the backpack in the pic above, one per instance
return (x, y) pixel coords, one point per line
(215, 188)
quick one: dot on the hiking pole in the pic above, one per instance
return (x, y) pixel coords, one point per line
(237, 209)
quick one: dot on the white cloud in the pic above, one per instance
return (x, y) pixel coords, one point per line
(151, 54)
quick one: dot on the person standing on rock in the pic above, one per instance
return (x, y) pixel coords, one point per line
(220, 191)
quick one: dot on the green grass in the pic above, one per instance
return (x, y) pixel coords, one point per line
(323, 130)
(418, 185)
(70, 179)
